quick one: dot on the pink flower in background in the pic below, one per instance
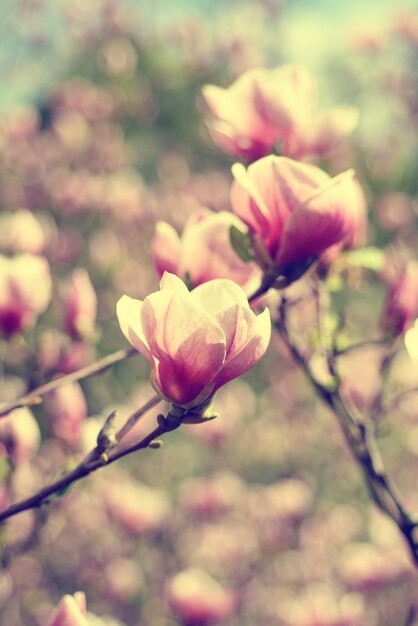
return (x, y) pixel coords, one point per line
(357, 235)
(320, 605)
(195, 341)
(265, 107)
(67, 410)
(71, 611)
(80, 305)
(25, 291)
(295, 210)
(20, 231)
(197, 598)
(19, 435)
(204, 251)
(401, 305)
(139, 509)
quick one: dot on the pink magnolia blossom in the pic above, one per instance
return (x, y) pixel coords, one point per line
(357, 235)
(295, 210)
(401, 305)
(67, 409)
(195, 341)
(197, 598)
(19, 435)
(71, 611)
(80, 305)
(265, 107)
(20, 231)
(25, 291)
(320, 605)
(204, 251)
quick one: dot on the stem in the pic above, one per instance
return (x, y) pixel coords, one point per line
(135, 417)
(35, 396)
(361, 344)
(95, 459)
(361, 443)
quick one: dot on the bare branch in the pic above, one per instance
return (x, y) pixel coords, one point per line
(98, 367)
(96, 459)
(361, 441)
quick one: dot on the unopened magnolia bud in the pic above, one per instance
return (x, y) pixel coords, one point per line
(107, 435)
(155, 444)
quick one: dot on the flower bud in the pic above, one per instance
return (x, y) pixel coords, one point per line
(401, 306)
(20, 435)
(197, 598)
(80, 305)
(20, 231)
(294, 210)
(67, 410)
(204, 251)
(25, 292)
(264, 108)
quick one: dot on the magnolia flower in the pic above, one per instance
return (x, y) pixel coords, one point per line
(266, 107)
(19, 435)
(80, 305)
(195, 341)
(20, 231)
(25, 291)
(294, 210)
(204, 251)
(197, 598)
(70, 611)
(67, 409)
(401, 306)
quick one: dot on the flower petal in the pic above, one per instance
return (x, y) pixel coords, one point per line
(224, 299)
(178, 331)
(165, 248)
(128, 311)
(322, 220)
(172, 282)
(246, 351)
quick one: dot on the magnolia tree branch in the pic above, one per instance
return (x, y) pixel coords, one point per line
(361, 440)
(105, 453)
(98, 367)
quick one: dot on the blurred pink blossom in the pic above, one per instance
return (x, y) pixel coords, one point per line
(25, 291)
(19, 435)
(20, 231)
(265, 107)
(204, 251)
(294, 210)
(364, 567)
(401, 305)
(80, 305)
(67, 410)
(139, 509)
(197, 598)
(320, 605)
(196, 341)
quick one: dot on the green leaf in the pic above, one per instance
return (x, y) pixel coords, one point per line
(241, 243)
(370, 258)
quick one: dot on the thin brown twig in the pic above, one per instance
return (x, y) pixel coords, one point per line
(361, 442)
(393, 402)
(364, 343)
(95, 459)
(98, 367)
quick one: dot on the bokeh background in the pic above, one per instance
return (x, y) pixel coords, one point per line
(263, 513)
